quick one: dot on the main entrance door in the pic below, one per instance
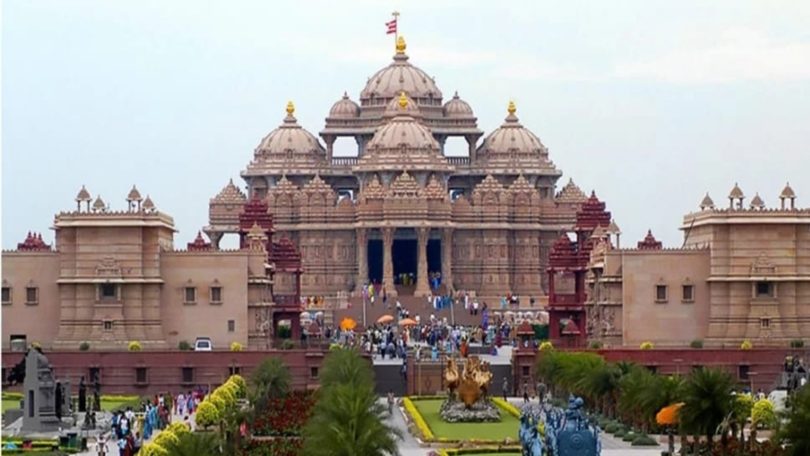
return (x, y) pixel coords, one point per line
(375, 260)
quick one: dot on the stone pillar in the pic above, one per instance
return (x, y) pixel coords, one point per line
(388, 263)
(330, 141)
(362, 259)
(422, 286)
(447, 258)
(215, 237)
(471, 145)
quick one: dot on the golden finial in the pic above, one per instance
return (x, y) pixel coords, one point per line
(403, 100)
(290, 108)
(401, 45)
(511, 108)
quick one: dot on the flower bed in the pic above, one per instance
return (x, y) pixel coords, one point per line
(283, 446)
(285, 416)
(424, 412)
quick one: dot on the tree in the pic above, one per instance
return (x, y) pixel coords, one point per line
(707, 402)
(348, 419)
(271, 379)
(794, 433)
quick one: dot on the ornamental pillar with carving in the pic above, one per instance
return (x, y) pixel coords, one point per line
(422, 286)
(330, 142)
(447, 258)
(388, 261)
(362, 259)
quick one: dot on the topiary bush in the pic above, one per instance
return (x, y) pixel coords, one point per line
(236, 347)
(595, 345)
(697, 343)
(619, 433)
(207, 414)
(546, 345)
(629, 436)
(184, 345)
(612, 428)
(644, 440)
(646, 345)
(84, 346)
(798, 343)
(746, 345)
(135, 346)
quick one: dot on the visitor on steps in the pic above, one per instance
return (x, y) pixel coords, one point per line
(390, 402)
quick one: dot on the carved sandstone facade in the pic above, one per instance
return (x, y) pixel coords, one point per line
(400, 206)
(743, 273)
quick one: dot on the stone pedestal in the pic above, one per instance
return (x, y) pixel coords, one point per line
(39, 395)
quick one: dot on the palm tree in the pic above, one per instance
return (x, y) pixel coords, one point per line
(271, 379)
(348, 419)
(343, 366)
(707, 402)
(798, 422)
(194, 444)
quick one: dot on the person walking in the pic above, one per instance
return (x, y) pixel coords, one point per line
(390, 402)
(505, 387)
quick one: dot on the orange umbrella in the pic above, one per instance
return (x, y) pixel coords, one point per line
(385, 319)
(407, 322)
(668, 415)
(347, 324)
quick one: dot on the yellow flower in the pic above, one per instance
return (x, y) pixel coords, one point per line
(647, 345)
(746, 345)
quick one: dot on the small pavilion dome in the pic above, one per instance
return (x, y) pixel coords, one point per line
(344, 108)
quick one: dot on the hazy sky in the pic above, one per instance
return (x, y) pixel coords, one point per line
(649, 103)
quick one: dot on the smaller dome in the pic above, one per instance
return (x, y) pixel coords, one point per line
(134, 195)
(402, 106)
(289, 136)
(148, 205)
(513, 138)
(787, 192)
(344, 108)
(457, 107)
(736, 192)
(757, 202)
(83, 195)
(707, 203)
(99, 205)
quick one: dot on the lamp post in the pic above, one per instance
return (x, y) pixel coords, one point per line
(678, 362)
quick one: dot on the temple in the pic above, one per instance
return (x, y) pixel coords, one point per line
(400, 210)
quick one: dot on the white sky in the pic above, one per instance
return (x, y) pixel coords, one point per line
(649, 103)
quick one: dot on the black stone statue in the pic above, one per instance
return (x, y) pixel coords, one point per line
(82, 395)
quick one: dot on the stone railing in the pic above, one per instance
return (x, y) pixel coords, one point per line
(344, 161)
(458, 161)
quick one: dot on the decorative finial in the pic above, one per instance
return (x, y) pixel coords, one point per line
(403, 100)
(401, 45)
(511, 108)
(290, 108)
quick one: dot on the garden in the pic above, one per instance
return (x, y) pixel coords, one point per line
(701, 409)
(424, 413)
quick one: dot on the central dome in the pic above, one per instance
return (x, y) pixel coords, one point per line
(400, 76)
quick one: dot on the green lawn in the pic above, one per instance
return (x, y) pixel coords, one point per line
(429, 408)
(106, 404)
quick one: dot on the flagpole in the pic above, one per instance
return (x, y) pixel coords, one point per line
(396, 27)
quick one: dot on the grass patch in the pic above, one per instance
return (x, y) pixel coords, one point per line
(107, 403)
(429, 409)
(10, 404)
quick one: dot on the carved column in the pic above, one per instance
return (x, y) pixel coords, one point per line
(447, 258)
(362, 258)
(388, 263)
(422, 287)
(330, 142)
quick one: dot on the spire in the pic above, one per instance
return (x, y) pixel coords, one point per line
(98, 205)
(401, 46)
(649, 242)
(707, 203)
(757, 203)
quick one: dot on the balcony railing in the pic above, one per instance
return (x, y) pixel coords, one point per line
(459, 161)
(344, 161)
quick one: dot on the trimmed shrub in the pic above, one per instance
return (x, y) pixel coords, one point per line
(184, 345)
(207, 414)
(646, 345)
(620, 433)
(84, 346)
(697, 343)
(134, 346)
(546, 345)
(241, 386)
(644, 440)
(287, 344)
(746, 345)
(612, 428)
(630, 436)
(236, 347)
(798, 343)
(595, 345)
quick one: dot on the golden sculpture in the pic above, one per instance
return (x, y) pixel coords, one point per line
(403, 100)
(472, 384)
(290, 108)
(400, 45)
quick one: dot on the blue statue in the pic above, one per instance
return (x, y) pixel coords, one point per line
(530, 441)
(573, 434)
